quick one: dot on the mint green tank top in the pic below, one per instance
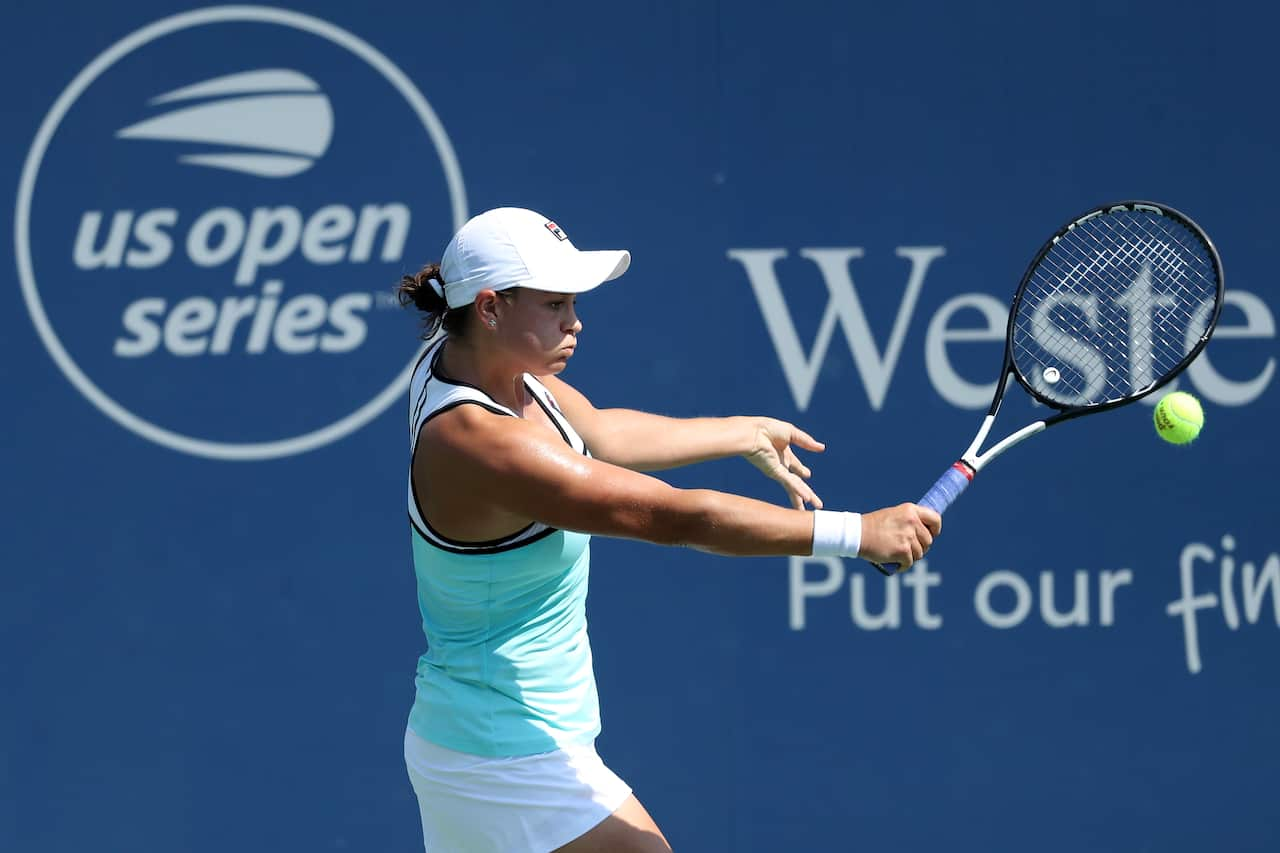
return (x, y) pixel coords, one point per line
(507, 671)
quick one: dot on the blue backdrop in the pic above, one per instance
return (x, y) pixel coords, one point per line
(207, 617)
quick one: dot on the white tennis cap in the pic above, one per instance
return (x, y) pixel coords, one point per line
(513, 247)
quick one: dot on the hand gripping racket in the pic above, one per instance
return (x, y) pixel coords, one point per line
(1117, 303)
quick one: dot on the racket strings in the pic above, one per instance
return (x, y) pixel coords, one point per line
(1099, 338)
(1094, 344)
(1164, 264)
(1113, 306)
(1171, 325)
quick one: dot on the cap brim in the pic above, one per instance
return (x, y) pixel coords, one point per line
(589, 270)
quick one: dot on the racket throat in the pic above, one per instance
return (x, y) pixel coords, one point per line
(976, 462)
(970, 458)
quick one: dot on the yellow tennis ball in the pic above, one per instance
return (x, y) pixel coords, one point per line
(1178, 417)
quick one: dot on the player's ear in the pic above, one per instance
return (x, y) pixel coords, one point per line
(486, 308)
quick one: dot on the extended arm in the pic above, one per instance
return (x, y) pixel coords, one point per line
(524, 469)
(645, 442)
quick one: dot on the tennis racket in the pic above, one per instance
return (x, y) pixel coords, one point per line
(1116, 303)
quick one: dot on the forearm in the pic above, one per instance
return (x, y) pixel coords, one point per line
(722, 523)
(645, 442)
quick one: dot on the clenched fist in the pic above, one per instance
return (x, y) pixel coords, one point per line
(900, 534)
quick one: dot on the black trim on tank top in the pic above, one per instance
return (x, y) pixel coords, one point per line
(426, 352)
(431, 535)
(492, 407)
(455, 404)
(422, 400)
(436, 373)
(413, 484)
(443, 377)
(458, 546)
(426, 383)
(509, 539)
(556, 420)
(492, 549)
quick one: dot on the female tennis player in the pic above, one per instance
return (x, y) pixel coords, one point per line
(512, 472)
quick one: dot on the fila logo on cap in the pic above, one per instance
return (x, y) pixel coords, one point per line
(555, 229)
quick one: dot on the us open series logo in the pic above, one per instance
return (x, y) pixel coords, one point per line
(206, 238)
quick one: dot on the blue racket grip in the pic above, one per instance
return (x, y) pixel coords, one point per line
(948, 487)
(943, 493)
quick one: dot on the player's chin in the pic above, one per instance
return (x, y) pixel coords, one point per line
(551, 366)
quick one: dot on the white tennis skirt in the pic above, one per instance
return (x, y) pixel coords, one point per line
(527, 804)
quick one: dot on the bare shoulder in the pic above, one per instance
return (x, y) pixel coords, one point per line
(462, 425)
(471, 433)
(528, 471)
(472, 439)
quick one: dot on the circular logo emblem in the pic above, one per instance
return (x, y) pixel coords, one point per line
(211, 221)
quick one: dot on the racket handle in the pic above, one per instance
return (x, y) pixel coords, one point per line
(948, 487)
(944, 492)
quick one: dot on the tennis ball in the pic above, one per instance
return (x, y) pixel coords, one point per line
(1178, 417)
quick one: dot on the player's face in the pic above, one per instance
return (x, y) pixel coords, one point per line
(541, 329)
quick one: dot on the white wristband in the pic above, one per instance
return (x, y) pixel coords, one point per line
(836, 534)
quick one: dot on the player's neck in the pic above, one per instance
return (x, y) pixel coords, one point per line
(502, 380)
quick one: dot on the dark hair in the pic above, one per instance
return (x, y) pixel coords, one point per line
(417, 290)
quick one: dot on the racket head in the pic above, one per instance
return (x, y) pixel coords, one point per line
(1113, 306)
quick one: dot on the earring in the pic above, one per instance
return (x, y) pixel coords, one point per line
(492, 324)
